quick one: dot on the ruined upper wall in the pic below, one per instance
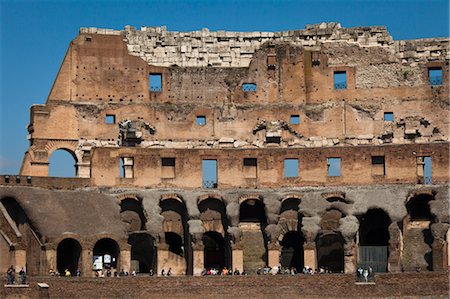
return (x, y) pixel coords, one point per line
(160, 47)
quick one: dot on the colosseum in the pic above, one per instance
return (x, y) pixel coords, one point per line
(324, 147)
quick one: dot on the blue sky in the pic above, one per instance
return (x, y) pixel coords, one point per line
(35, 36)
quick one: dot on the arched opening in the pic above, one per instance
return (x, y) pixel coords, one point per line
(176, 237)
(292, 251)
(30, 236)
(106, 254)
(252, 210)
(417, 237)
(290, 204)
(215, 222)
(68, 256)
(419, 209)
(142, 252)
(132, 213)
(62, 163)
(374, 239)
(253, 221)
(214, 250)
(330, 252)
(175, 243)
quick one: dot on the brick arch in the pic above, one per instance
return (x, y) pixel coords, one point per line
(174, 196)
(124, 196)
(419, 192)
(209, 196)
(292, 195)
(75, 236)
(122, 242)
(246, 197)
(69, 145)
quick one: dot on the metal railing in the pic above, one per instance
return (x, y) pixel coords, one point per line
(209, 185)
(428, 180)
(435, 80)
(340, 85)
(155, 88)
(249, 87)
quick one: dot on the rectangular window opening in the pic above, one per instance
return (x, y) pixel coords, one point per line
(334, 166)
(168, 168)
(155, 82)
(249, 87)
(340, 80)
(209, 174)
(389, 116)
(127, 167)
(435, 76)
(250, 168)
(378, 165)
(290, 168)
(295, 119)
(110, 119)
(201, 120)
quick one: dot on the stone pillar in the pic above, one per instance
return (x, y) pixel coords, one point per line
(198, 260)
(349, 257)
(310, 254)
(439, 246)
(51, 260)
(394, 249)
(83, 169)
(237, 259)
(273, 254)
(125, 260)
(163, 257)
(86, 263)
(20, 259)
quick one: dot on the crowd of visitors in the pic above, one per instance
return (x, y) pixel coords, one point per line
(11, 276)
(364, 274)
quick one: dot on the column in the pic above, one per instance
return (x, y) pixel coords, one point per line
(237, 259)
(51, 260)
(394, 248)
(20, 259)
(125, 260)
(198, 259)
(273, 254)
(86, 263)
(310, 254)
(350, 257)
(163, 258)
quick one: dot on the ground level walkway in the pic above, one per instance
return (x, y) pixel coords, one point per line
(390, 285)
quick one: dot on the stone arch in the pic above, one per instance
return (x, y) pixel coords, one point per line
(213, 214)
(252, 209)
(58, 166)
(209, 196)
(174, 248)
(106, 254)
(68, 145)
(292, 243)
(68, 256)
(214, 252)
(143, 252)
(133, 214)
(330, 252)
(374, 236)
(417, 234)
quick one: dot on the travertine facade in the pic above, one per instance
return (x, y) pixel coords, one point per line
(317, 147)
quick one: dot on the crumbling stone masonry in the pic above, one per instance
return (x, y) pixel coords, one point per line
(324, 147)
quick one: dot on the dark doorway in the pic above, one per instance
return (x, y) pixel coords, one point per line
(252, 210)
(108, 250)
(214, 252)
(132, 212)
(143, 251)
(419, 209)
(68, 256)
(292, 251)
(330, 252)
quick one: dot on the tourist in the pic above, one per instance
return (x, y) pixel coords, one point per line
(67, 273)
(151, 272)
(78, 272)
(133, 273)
(23, 276)
(236, 271)
(122, 273)
(169, 272)
(10, 274)
(163, 272)
(365, 274)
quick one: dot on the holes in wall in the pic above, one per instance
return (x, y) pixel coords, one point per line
(435, 76)
(389, 116)
(294, 119)
(201, 120)
(155, 82)
(249, 87)
(334, 167)
(340, 80)
(290, 168)
(110, 119)
(378, 165)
